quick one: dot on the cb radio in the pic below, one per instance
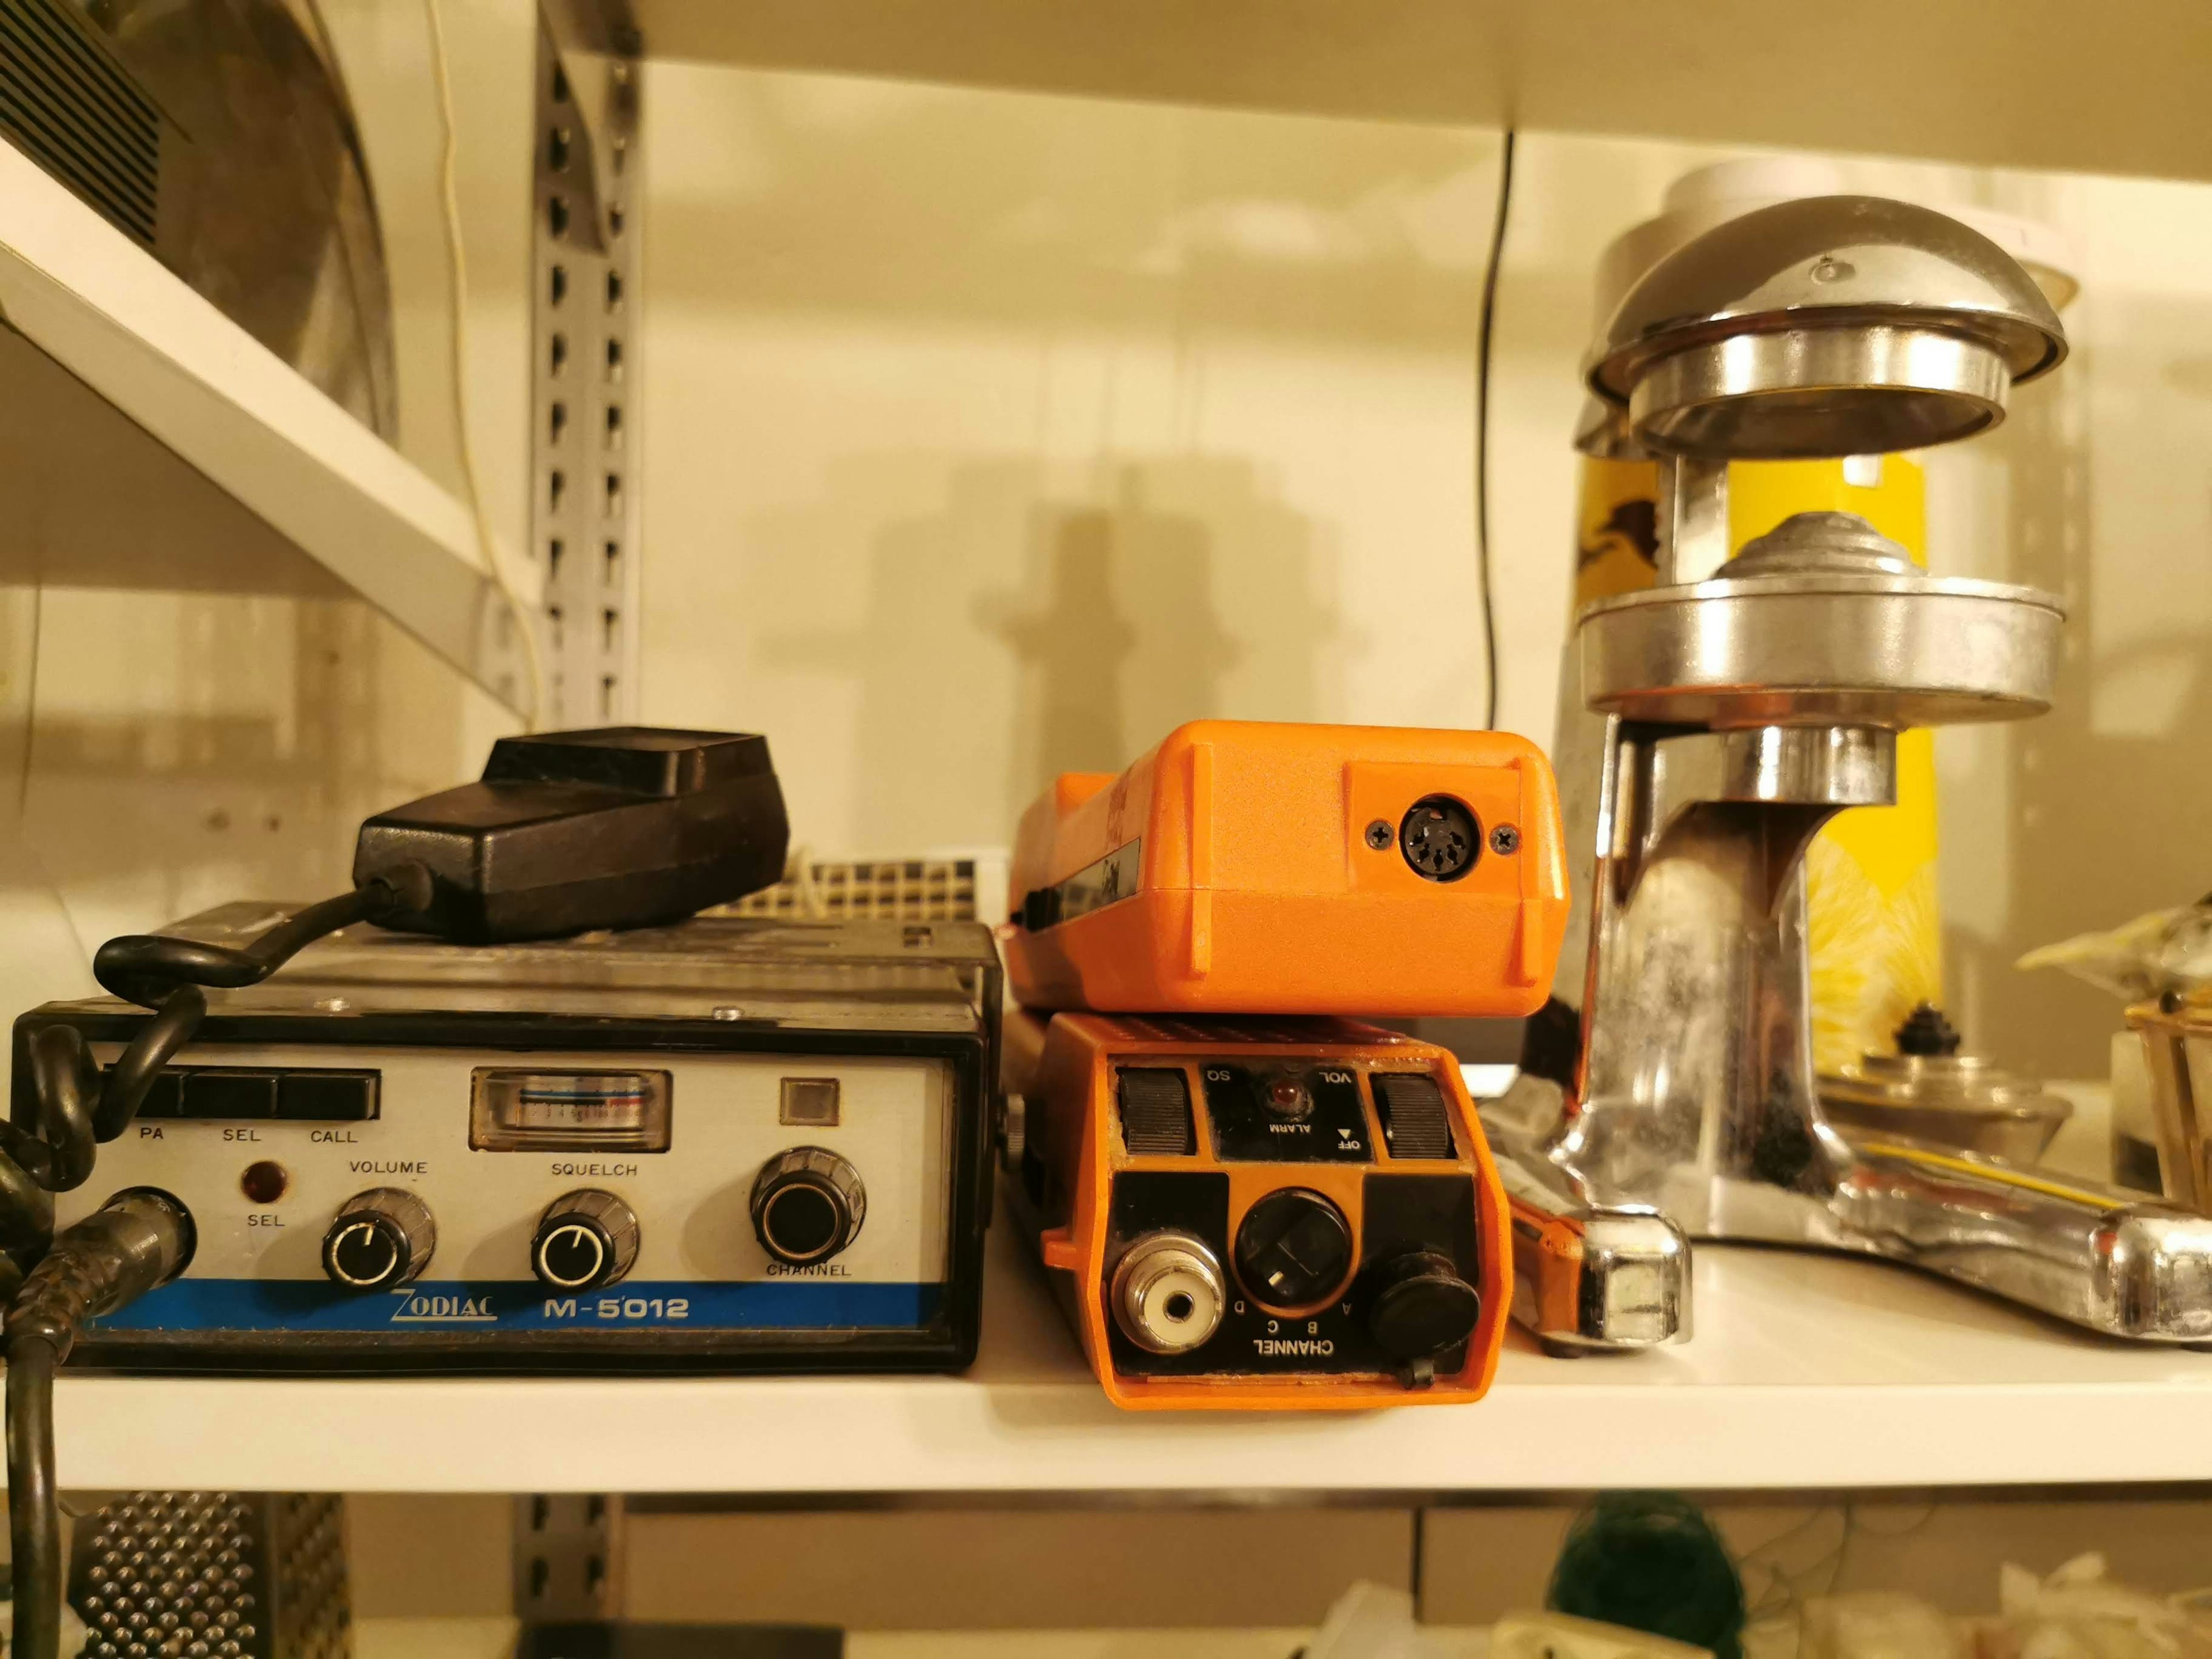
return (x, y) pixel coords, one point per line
(476, 1129)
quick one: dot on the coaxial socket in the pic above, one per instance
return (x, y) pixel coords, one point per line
(1169, 1292)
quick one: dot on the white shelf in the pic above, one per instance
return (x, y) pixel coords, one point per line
(1806, 1372)
(2035, 83)
(148, 441)
(494, 1638)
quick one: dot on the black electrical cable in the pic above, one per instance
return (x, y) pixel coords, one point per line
(1482, 355)
(135, 1241)
(79, 1105)
(104, 1262)
(36, 1540)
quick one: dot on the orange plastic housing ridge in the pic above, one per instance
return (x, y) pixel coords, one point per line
(1245, 867)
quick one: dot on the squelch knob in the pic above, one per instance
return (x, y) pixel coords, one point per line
(584, 1239)
(381, 1239)
(807, 1205)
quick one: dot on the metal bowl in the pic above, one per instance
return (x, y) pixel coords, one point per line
(1829, 326)
(1946, 1100)
(1823, 622)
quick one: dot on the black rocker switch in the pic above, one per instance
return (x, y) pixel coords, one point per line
(233, 1093)
(1156, 1119)
(1415, 1122)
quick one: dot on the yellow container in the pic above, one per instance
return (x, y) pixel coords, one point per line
(1876, 939)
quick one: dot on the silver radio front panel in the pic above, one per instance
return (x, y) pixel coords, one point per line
(263, 1194)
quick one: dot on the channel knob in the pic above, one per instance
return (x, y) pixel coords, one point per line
(808, 1205)
(381, 1239)
(584, 1240)
(1293, 1249)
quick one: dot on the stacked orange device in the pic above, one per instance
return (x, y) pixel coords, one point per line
(1247, 1199)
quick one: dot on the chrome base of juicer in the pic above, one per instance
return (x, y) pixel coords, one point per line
(1741, 713)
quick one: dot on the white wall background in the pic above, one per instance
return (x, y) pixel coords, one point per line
(986, 435)
(170, 751)
(989, 434)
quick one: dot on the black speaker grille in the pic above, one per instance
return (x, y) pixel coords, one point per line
(69, 106)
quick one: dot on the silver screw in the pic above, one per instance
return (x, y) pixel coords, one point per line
(1505, 839)
(1379, 835)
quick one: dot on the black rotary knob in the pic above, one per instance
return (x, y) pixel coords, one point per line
(808, 1205)
(584, 1240)
(1419, 1306)
(1293, 1249)
(381, 1239)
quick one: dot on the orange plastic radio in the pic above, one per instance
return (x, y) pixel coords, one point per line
(1243, 866)
(1261, 1213)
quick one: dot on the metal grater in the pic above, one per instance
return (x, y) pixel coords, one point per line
(898, 890)
(166, 1575)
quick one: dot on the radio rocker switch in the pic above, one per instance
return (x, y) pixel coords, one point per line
(1156, 1119)
(585, 1239)
(1416, 1123)
(807, 1205)
(381, 1239)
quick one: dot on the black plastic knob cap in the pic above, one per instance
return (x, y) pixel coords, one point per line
(807, 1205)
(380, 1240)
(1293, 1249)
(585, 1239)
(1419, 1306)
(1927, 1033)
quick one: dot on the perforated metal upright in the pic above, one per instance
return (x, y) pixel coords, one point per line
(584, 509)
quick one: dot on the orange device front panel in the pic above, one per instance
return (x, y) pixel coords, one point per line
(1243, 866)
(1338, 1223)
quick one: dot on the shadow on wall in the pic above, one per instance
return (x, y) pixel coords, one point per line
(187, 750)
(2109, 792)
(1015, 634)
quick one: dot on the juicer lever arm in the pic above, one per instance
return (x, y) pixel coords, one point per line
(2091, 1255)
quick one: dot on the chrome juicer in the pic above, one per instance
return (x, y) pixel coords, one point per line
(1735, 706)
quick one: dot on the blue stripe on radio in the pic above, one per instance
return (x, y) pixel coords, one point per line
(295, 1304)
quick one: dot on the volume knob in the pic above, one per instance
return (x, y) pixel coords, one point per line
(381, 1239)
(807, 1205)
(584, 1239)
